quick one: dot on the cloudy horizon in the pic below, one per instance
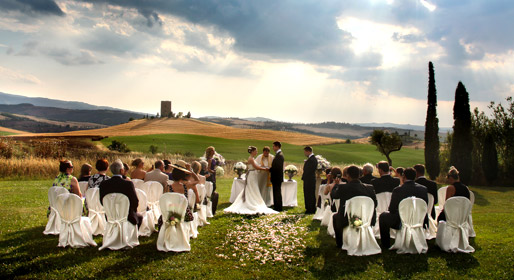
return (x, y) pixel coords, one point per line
(297, 61)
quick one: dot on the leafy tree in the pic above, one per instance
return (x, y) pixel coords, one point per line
(490, 159)
(157, 115)
(503, 129)
(180, 115)
(432, 128)
(386, 143)
(188, 115)
(462, 143)
(118, 146)
(131, 119)
(153, 149)
(348, 141)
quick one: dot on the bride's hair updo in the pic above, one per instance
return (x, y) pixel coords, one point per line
(251, 149)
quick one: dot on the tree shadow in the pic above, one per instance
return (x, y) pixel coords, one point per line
(404, 266)
(480, 199)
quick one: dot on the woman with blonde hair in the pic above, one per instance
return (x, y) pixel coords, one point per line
(456, 188)
(139, 172)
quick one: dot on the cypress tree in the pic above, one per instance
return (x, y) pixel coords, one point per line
(462, 145)
(490, 159)
(432, 128)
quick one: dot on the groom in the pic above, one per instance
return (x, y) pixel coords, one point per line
(277, 175)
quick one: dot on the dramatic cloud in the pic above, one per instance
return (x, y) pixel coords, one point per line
(32, 7)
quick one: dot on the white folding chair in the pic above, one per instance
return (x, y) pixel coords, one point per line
(470, 219)
(453, 234)
(138, 183)
(192, 226)
(173, 236)
(83, 188)
(96, 211)
(383, 201)
(208, 194)
(75, 229)
(119, 233)
(147, 225)
(431, 231)
(202, 211)
(321, 196)
(360, 240)
(410, 239)
(330, 227)
(154, 193)
(53, 226)
(441, 197)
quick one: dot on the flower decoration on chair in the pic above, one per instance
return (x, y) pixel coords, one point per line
(327, 203)
(356, 222)
(174, 218)
(291, 170)
(239, 168)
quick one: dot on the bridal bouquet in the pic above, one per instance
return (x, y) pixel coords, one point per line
(220, 171)
(356, 222)
(323, 163)
(239, 168)
(291, 170)
(173, 218)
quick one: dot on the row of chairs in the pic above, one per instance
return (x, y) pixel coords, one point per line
(438, 231)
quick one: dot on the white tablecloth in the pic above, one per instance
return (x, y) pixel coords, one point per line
(289, 192)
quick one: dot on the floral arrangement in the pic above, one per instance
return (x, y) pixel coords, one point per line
(291, 170)
(327, 203)
(173, 218)
(220, 171)
(356, 222)
(240, 168)
(323, 163)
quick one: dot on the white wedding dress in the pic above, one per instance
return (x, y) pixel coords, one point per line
(249, 201)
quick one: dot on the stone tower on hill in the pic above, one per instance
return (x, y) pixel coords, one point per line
(165, 108)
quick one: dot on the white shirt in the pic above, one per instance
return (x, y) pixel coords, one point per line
(279, 151)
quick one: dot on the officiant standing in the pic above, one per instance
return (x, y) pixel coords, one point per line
(263, 176)
(309, 180)
(277, 175)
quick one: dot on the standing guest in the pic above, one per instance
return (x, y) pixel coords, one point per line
(264, 176)
(65, 179)
(386, 183)
(367, 173)
(309, 180)
(101, 166)
(211, 177)
(85, 172)
(277, 175)
(430, 185)
(345, 192)
(158, 175)
(456, 188)
(119, 185)
(125, 172)
(391, 219)
(139, 172)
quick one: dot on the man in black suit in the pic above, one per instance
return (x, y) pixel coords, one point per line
(367, 173)
(345, 192)
(119, 185)
(277, 175)
(386, 183)
(309, 180)
(430, 185)
(391, 219)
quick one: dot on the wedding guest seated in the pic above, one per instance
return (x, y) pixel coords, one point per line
(204, 168)
(125, 172)
(345, 192)
(117, 184)
(456, 188)
(430, 185)
(168, 168)
(101, 166)
(391, 219)
(335, 172)
(327, 175)
(367, 173)
(138, 172)
(398, 173)
(197, 168)
(85, 172)
(158, 175)
(65, 179)
(386, 183)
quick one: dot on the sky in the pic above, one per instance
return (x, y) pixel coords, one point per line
(289, 60)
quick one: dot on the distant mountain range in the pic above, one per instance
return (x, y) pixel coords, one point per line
(12, 99)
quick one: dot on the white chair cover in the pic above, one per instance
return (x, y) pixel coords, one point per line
(75, 229)
(192, 226)
(321, 196)
(53, 226)
(154, 193)
(147, 225)
(411, 237)
(202, 211)
(327, 213)
(441, 197)
(96, 211)
(431, 231)
(330, 227)
(208, 194)
(173, 237)
(145, 186)
(138, 183)
(453, 234)
(383, 201)
(83, 188)
(360, 241)
(470, 219)
(119, 233)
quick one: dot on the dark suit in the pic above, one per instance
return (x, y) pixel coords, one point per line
(366, 179)
(431, 189)
(345, 192)
(277, 177)
(309, 184)
(392, 219)
(386, 183)
(119, 185)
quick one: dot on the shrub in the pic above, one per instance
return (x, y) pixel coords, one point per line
(153, 149)
(118, 146)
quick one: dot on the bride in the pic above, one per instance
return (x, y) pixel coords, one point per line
(249, 201)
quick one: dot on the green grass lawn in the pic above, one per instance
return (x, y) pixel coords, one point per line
(237, 149)
(26, 253)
